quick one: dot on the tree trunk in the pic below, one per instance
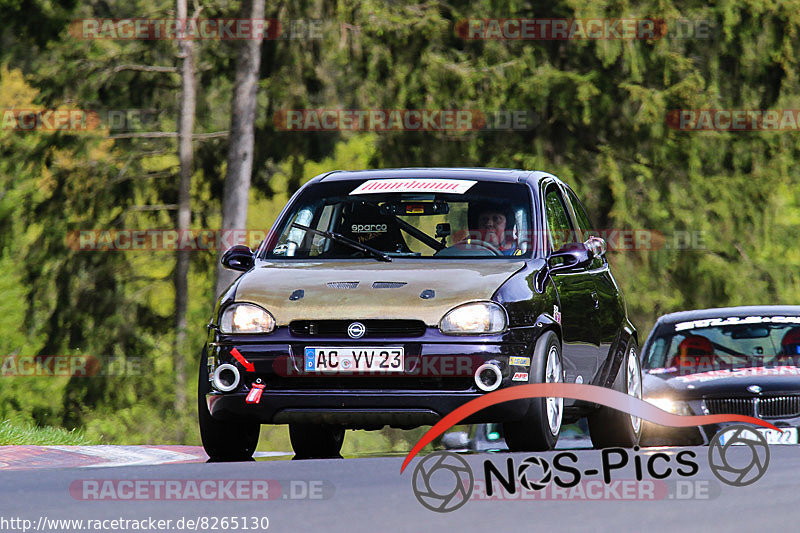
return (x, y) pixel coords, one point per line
(185, 157)
(240, 150)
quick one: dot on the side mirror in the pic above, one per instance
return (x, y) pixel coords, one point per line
(455, 440)
(596, 246)
(573, 255)
(238, 257)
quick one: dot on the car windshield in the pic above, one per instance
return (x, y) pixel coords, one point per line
(731, 342)
(424, 218)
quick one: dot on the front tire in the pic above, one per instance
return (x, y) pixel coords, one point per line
(223, 440)
(539, 429)
(609, 427)
(315, 441)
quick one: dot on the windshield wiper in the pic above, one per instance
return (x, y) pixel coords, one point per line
(338, 237)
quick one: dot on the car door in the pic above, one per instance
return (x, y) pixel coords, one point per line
(576, 292)
(610, 312)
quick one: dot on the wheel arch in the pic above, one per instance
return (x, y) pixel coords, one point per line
(546, 322)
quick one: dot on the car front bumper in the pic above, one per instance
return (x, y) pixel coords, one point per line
(439, 380)
(357, 409)
(657, 435)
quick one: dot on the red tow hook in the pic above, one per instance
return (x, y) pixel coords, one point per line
(254, 396)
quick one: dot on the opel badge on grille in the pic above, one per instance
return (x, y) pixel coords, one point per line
(356, 330)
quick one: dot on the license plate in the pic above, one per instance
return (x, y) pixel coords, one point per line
(334, 359)
(786, 436)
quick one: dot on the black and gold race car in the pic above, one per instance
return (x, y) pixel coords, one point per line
(391, 297)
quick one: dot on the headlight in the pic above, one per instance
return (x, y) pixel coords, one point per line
(246, 318)
(478, 318)
(671, 406)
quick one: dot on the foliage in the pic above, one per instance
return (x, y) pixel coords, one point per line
(600, 109)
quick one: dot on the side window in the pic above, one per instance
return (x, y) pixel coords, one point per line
(584, 225)
(656, 358)
(295, 239)
(558, 224)
(580, 215)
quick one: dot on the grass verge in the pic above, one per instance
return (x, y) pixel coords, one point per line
(15, 433)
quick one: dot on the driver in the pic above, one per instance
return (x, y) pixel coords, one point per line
(693, 351)
(790, 345)
(495, 225)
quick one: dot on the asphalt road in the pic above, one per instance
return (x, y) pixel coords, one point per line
(370, 495)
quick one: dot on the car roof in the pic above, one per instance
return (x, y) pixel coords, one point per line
(720, 312)
(481, 174)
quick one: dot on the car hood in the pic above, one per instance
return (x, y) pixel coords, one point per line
(383, 290)
(719, 383)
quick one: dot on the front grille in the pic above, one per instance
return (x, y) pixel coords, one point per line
(374, 328)
(767, 407)
(779, 407)
(736, 406)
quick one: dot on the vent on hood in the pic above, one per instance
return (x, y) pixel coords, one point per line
(388, 284)
(343, 284)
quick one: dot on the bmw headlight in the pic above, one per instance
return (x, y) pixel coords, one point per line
(671, 406)
(479, 318)
(246, 318)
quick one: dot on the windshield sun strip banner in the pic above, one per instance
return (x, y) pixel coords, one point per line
(450, 186)
(735, 320)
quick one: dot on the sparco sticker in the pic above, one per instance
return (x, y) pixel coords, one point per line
(368, 228)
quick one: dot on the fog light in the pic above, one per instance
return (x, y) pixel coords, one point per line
(226, 378)
(488, 377)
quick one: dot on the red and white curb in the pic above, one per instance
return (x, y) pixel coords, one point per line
(34, 457)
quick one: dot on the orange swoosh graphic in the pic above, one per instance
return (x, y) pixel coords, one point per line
(590, 393)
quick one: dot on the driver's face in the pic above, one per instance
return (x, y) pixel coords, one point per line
(493, 224)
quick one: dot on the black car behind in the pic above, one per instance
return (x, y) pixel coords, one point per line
(740, 360)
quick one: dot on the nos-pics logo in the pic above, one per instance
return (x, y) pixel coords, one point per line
(443, 481)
